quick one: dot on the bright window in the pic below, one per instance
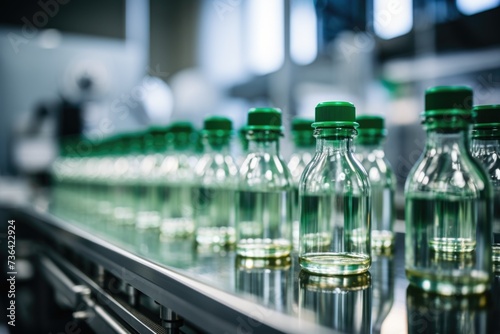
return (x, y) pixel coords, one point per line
(303, 34)
(392, 18)
(469, 7)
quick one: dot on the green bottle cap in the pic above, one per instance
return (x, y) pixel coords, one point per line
(267, 119)
(487, 116)
(217, 123)
(448, 100)
(302, 124)
(181, 127)
(335, 114)
(370, 125)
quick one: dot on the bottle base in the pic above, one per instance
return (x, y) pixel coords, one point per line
(263, 248)
(451, 283)
(335, 263)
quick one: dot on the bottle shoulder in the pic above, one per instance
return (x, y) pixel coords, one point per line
(265, 172)
(453, 173)
(328, 173)
(216, 169)
(379, 170)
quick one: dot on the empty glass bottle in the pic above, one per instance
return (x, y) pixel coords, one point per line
(177, 175)
(265, 193)
(369, 151)
(217, 180)
(486, 148)
(448, 202)
(334, 198)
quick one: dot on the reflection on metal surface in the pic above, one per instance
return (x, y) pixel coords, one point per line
(382, 270)
(268, 279)
(431, 313)
(339, 302)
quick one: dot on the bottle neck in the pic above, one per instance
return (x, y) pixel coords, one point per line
(263, 142)
(485, 146)
(334, 140)
(446, 141)
(216, 144)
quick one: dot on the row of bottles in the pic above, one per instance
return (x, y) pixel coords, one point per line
(335, 204)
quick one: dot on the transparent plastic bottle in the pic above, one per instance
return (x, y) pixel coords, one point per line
(342, 303)
(303, 150)
(265, 191)
(486, 148)
(177, 183)
(242, 151)
(448, 202)
(369, 151)
(217, 181)
(335, 198)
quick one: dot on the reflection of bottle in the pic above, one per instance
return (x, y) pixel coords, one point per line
(486, 148)
(335, 202)
(369, 150)
(265, 196)
(448, 202)
(432, 313)
(382, 271)
(342, 303)
(268, 279)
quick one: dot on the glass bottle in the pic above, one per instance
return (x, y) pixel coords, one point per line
(342, 303)
(448, 202)
(303, 150)
(486, 148)
(217, 180)
(369, 151)
(177, 183)
(265, 192)
(148, 201)
(335, 198)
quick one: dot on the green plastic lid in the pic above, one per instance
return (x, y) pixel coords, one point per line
(370, 122)
(487, 115)
(448, 100)
(302, 124)
(264, 119)
(335, 114)
(181, 127)
(217, 123)
(158, 129)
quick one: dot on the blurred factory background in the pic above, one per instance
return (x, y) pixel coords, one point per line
(101, 67)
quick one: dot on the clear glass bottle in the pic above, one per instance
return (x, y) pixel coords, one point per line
(265, 191)
(342, 303)
(448, 202)
(335, 201)
(303, 150)
(148, 200)
(217, 181)
(486, 148)
(177, 183)
(369, 151)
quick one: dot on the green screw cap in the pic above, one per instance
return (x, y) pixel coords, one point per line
(181, 127)
(370, 122)
(487, 115)
(264, 119)
(217, 123)
(335, 114)
(448, 100)
(302, 124)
